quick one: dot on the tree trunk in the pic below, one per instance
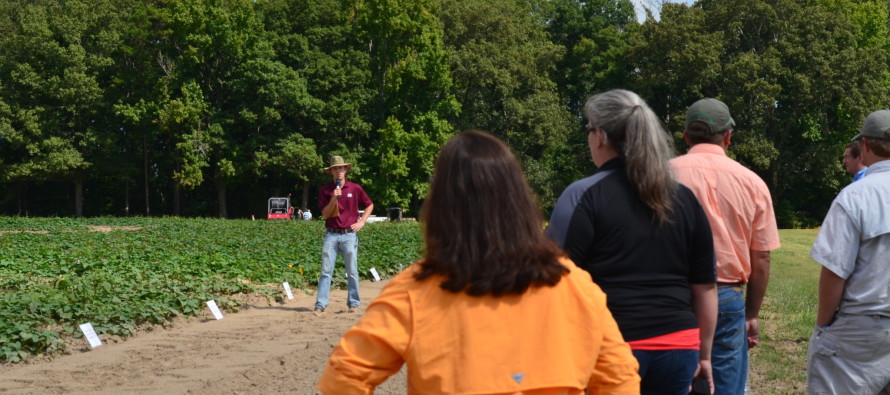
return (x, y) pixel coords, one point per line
(176, 210)
(305, 201)
(221, 199)
(126, 198)
(20, 190)
(78, 197)
(145, 173)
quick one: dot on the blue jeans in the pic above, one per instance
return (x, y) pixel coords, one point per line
(346, 244)
(666, 371)
(729, 356)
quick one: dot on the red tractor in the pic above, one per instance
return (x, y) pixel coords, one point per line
(280, 208)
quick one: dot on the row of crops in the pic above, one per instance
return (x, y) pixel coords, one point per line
(119, 273)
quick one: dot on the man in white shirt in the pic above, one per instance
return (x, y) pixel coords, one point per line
(849, 351)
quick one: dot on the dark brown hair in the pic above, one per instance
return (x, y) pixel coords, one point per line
(701, 134)
(854, 149)
(482, 227)
(880, 147)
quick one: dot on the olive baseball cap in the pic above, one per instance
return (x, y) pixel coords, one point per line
(711, 112)
(876, 126)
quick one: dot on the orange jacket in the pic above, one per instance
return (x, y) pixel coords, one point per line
(549, 340)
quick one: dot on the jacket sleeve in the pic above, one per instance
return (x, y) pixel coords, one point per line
(373, 349)
(616, 367)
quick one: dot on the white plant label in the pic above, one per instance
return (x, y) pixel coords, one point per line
(214, 309)
(374, 273)
(90, 334)
(290, 295)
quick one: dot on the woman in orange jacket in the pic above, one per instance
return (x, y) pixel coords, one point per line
(493, 307)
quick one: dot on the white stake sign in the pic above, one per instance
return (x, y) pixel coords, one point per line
(290, 295)
(90, 334)
(214, 309)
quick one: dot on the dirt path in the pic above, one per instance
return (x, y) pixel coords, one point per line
(261, 349)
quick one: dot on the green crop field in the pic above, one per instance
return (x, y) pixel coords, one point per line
(116, 273)
(119, 273)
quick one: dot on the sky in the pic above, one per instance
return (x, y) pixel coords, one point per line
(639, 6)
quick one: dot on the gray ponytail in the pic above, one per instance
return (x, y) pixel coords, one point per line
(638, 136)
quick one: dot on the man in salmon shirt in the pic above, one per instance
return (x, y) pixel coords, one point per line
(740, 210)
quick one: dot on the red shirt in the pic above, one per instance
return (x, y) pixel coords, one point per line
(352, 199)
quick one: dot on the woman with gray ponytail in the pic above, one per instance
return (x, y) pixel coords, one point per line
(645, 241)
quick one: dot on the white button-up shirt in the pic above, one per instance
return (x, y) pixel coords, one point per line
(854, 242)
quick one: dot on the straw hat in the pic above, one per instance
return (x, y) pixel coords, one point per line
(337, 160)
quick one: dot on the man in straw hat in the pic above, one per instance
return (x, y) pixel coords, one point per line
(340, 201)
(849, 352)
(740, 210)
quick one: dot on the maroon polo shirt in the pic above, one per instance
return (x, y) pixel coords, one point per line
(352, 199)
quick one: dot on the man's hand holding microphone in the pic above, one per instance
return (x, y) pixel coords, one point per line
(333, 208)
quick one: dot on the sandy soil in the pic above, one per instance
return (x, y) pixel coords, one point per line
(264, 348)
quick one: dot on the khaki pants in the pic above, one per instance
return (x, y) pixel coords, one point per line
(852, 356)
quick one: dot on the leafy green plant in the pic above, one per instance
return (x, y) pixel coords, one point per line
(145, 271)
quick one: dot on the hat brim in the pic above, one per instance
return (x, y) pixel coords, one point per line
(348, 167)
(860, 136)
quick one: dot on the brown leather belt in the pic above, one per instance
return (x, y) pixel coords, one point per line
(730, 285)
(340, 231)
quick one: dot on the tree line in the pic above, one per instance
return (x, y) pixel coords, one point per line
(210, 107)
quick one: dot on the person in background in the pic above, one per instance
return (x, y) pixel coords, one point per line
(493, 307)
(340, 201)
(853, 161)
(849, 351)
(740, 210)
(645, 240)
(307, 215)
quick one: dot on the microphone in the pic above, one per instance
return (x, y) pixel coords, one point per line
(338, 186)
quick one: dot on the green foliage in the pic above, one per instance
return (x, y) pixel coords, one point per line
(413, 97)
(207, 108)
(501, 60)
(678, 60)
(55, 57)
(58, 273)
(596, 36)
(185, 118)
(798, 79)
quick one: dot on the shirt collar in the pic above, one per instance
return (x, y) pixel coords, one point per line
(878, 167)
(614, 163)
(707, 148)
